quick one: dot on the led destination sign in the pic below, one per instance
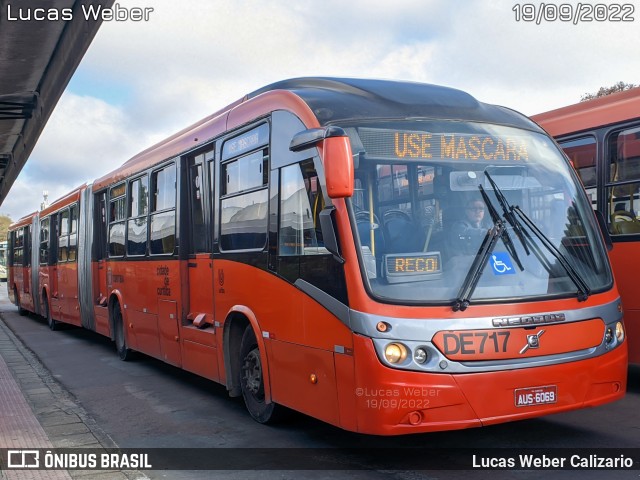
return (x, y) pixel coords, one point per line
(444, 146)
(412, 267)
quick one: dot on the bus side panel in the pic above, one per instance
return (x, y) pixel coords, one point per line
(302, 336)
(626, 265)
(199, 351)
(45, 289)
(100, 310)
(101, 315)
(303, 378)
(141, 298)
(346, 379)
(23, 281)
(68, 293)
(168, 331)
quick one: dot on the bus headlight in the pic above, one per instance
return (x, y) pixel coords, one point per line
(619, 331)
(395, 353)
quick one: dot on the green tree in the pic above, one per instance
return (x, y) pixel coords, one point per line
(5, 221)
(618, 87)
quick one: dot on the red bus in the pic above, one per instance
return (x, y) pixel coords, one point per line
(307, 246)
(602, 139)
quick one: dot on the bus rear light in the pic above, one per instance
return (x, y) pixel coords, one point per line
(395, 353)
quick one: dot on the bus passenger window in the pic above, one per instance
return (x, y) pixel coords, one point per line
(582, 153)
(18, 247)
(63, 236)
(44, 241)
(117, 215)
(163, 211)
(137, 223)
(73, 233)
(624, 181)
(244, 206)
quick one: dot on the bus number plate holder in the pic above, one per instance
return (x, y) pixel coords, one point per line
(532, 396)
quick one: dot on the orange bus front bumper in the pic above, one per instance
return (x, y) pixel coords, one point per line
(395, 402)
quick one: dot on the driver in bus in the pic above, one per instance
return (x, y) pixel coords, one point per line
(467, 234)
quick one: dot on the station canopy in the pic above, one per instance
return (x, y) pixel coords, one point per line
(37, 59)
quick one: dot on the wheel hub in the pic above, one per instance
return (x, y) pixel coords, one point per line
(252, 371)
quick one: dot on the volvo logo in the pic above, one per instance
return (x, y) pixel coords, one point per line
(529, 320)
(533, 341)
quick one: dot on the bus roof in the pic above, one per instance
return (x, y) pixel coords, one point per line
(343, 99)
(595, 113)
(320, 101)
(21, 222)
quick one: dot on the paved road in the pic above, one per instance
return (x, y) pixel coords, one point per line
(147, 404)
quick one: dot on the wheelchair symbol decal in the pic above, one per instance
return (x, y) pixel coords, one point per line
(501, 264)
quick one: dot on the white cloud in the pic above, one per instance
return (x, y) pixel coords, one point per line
(196, 56)
(85, 137)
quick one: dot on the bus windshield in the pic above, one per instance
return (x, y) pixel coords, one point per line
(446, 211)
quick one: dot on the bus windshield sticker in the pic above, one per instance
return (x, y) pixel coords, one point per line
(501, 264)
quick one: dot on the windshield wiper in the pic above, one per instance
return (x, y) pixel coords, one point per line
(583, 289)
(498, 231)
(507, 212)
(495, 217)
(479, 262)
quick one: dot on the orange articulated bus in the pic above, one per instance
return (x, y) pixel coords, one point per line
(310, 246)
(601, 137)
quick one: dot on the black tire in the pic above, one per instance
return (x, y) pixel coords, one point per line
(21, 311)
(252, 381)
(124, 353)
(53, 324)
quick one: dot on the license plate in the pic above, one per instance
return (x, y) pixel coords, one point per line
(528, 397)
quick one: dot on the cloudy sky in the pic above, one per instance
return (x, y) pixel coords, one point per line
(142, 81)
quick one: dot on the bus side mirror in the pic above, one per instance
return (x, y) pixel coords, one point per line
(337, 157)
(338, 167)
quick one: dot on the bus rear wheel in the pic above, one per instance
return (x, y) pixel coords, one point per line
(53, 324)
(124, 353)
(21, 311)
(252, 380)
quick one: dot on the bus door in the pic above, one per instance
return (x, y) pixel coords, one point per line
(100, 247)
(62, 271)
(53, 269)
(26, 271)
(200, 333)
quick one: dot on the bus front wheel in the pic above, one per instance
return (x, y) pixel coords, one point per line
(252, 380)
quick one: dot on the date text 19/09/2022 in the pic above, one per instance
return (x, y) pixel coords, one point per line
(91, 12)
